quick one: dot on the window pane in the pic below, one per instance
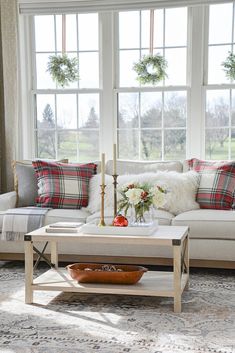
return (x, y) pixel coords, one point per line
(217, 143)
(46, 111)
(71, 32)
(129, 29)
(175, 144)
(127, 74)
(233, 144)
(88, 146)
(217, 55)
(89, 70)
(158, 28)
(44, 29)
(220, 29)
(233, 108)
(59, 32)
(217, 109)
(44, 79)
(88, 31)
(176, 27)
(151, 109)
(151, 144)
(66, 111)
(67, 145)
(176, 70)
(46, 144)
(128, 116)
(128, 144)
(88, 106)
(175, 109)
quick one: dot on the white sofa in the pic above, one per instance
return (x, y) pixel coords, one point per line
(212, 232)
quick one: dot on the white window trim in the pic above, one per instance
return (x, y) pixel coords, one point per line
(196, 118)
(69, 6)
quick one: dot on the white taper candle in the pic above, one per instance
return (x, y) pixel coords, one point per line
(114, 159)
(103, 168)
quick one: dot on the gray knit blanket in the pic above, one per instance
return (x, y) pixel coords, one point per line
(19, 221)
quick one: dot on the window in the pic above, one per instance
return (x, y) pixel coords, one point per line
(220, 94)
(67, 120)
(188, 114)
(151, 120)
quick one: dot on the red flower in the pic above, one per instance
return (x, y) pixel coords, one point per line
(131, 186)
(144, 195)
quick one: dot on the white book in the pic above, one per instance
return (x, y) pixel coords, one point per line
(65, 225)
(61, 230)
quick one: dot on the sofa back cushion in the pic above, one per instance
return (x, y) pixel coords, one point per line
(217, 183)
(138, 167)
(63, 185)
(182, 189)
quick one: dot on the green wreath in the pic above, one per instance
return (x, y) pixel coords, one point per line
(63, 69)
(229, 66)
(151, 69)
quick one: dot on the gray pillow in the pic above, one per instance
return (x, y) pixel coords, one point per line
(25, 184)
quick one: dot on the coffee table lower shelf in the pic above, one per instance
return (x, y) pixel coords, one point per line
(153, 283)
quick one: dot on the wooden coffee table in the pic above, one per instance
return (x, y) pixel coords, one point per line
(153, 283)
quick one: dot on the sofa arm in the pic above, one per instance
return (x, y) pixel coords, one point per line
(8, 200)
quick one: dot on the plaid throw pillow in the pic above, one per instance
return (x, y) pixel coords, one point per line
(217, 183)
(63, 185)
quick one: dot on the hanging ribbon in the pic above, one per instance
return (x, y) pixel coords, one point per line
(63, 34)
(151, 31)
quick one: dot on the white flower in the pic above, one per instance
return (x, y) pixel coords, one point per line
(134, 195)
(158, 197)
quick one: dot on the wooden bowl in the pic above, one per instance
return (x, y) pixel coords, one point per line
(130, 274)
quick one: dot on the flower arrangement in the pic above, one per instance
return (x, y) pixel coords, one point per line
(141, 197)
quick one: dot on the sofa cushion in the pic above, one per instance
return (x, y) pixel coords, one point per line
(63, 185)
(138, 167)
(182, 189)
(217, 183)
(8, 200)
(164, 217)
(59, 215)
(208, 224)
(63, 215)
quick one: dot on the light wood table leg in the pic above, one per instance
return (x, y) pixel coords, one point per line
(54, 253)
(177, 278)
(28, 245)
(186, 258)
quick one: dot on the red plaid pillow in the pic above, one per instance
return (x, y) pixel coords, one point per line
(62, 185)
(217, 183)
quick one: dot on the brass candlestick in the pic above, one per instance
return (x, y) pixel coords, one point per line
(115, 195)
(102, 222)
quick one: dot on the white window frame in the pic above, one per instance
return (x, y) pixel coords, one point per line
(141, 89)
(207, 86)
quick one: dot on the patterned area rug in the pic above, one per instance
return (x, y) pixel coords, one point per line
(73, 323)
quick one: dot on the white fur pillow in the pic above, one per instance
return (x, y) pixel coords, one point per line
(180, 198)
